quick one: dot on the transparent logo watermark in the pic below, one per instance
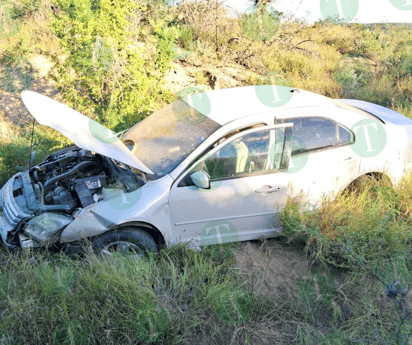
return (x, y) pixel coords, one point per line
(274, 89)
(172, 2)
(57, 277)
(342, 11)
(317, 287)
(194, 107)
(185, 41)
(208, 162)
(16, 75)
(260, 22)
(370, 136)
(118, 199)
(306, 206)
(151, 323)
(233, 305)
(298, 154)
(10, 24)
(102, 133)
(102, 57)
(403, 5)
(71, 332)
(218, 232)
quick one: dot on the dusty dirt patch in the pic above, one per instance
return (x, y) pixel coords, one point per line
(275, 270)
(271, 268)
(207, 77)
(11, 104)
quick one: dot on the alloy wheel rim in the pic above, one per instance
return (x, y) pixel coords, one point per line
(122, 247)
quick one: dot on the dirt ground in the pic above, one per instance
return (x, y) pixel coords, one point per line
(276, 270)
(179, 77)
(11, 104)
(271, 268)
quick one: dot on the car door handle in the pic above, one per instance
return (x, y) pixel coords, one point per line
(348, 159)
(267, 189)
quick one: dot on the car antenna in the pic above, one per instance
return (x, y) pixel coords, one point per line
(31, 143)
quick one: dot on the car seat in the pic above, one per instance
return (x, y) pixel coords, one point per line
(232, 161)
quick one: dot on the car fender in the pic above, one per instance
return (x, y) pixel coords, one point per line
(391, 160)
(148, 204)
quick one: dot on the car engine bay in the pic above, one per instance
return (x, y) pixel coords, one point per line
(62, 185)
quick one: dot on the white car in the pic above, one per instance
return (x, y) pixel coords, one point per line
(209, 168)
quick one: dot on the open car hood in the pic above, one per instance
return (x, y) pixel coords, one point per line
(83, 131)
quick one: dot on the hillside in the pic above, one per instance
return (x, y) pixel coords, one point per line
(338, 275)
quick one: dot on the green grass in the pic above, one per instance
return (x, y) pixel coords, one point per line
(182, 296)
(163, 298)
(373, 223)
(365, 232)
(15, 151)
(179, 296)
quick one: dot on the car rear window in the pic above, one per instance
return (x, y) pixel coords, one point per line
(313, 132)
(345, 135)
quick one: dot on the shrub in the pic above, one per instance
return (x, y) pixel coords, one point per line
(366, 225)
(130, 84)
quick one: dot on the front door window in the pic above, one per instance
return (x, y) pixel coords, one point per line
(253, 153)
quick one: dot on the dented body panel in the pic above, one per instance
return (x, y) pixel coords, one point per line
(148, 204)
(100, 185)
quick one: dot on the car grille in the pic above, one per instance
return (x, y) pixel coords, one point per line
(10, 212)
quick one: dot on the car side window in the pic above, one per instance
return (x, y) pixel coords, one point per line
(244, 155)
(253, 153)
(345, 135)
(313, 132)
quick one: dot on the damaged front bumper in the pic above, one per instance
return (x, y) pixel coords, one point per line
(21, 219)
(14, 211)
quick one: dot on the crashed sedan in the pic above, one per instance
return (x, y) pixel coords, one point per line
(209, 168)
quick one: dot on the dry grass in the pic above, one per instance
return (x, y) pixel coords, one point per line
(107, 294)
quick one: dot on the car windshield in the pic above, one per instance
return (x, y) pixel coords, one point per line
(165, 138)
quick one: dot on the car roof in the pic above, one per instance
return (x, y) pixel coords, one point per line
(230, 104)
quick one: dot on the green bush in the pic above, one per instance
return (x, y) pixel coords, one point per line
(16, 153)
(125, 85)
(26, 7)
(367, 227)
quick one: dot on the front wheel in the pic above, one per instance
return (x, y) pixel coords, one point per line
(134, 241)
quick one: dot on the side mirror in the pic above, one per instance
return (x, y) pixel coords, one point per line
(200, 179)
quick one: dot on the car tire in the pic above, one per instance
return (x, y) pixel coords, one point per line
(355, 187)
(133, 240)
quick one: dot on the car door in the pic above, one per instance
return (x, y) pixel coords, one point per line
(322, 161)
(247, 184)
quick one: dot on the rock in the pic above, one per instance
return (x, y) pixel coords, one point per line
(224, 82)
(41, 64)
